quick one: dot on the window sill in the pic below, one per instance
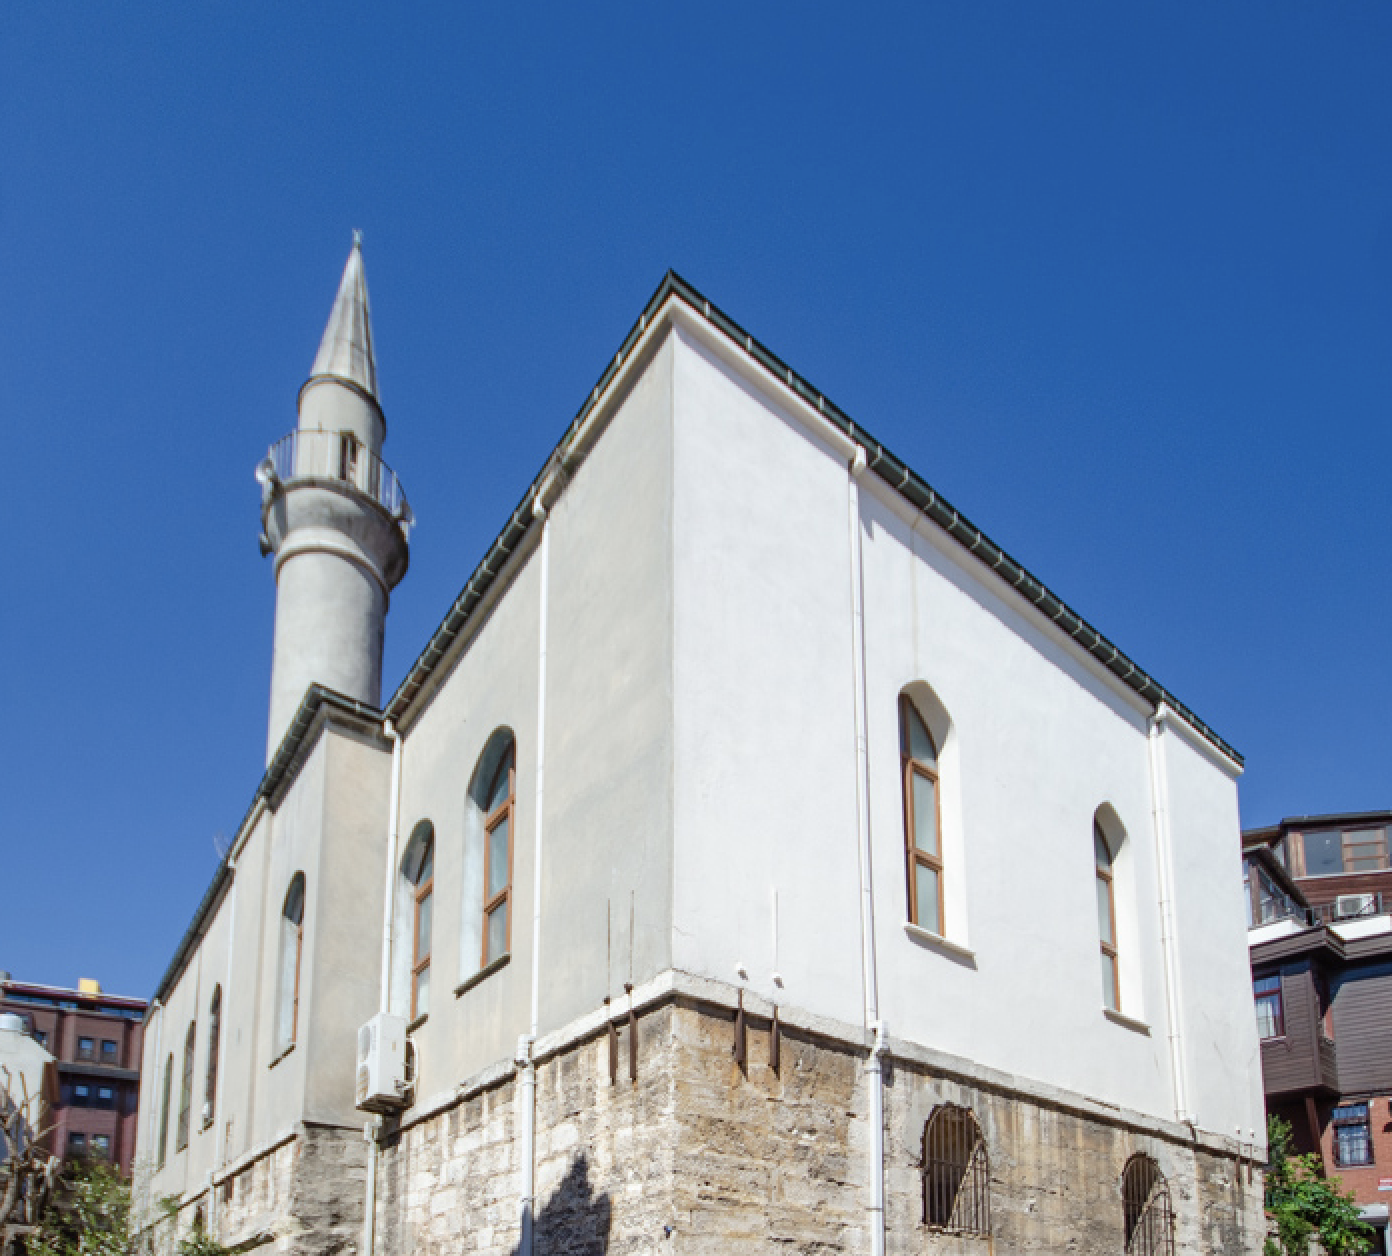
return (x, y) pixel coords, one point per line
(418, 1022)
(1126, 1022)
(208, 1124)
(937, 942)
(284, 1051)
(483, 974)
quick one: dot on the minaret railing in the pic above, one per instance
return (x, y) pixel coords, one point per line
(340, 457)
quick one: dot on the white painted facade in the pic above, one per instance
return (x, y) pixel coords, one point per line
(705, 808)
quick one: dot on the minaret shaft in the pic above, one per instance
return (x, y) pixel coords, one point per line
(333, 515)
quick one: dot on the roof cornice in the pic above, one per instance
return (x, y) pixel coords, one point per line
(892, 470)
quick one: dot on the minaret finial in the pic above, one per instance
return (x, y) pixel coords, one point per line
(346, 350)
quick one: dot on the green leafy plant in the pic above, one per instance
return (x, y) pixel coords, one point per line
(92, 1216)
(1304, 1203)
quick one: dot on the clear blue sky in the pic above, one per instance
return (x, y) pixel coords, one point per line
(1116, 279)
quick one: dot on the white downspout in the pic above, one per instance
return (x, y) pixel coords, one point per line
(1160, 810)
(525, 1064)
(869, 969)
(224, 1057)
(371, 1127)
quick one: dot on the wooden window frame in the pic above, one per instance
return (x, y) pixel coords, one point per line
(181, 1139)
(210, 1072)
(1365, 1122)
(164, 1109)
(503, 897)
(1108, 878)
(1279, 1020)
(913, 856)
(294, 1028)
(422, 891)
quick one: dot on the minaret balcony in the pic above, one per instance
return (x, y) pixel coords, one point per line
(338, 459)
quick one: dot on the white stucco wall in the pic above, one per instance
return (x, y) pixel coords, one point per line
(1040, 738)
(606, 856)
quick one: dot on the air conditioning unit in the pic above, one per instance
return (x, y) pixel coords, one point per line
(383, 1083)
(1347, 906)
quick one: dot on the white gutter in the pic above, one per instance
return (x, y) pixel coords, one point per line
(1164, 862)
(525, 1064)
(371, 1126)
(869, 970)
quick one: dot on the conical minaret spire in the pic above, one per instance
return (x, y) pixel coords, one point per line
(334, 516)
(346, 350)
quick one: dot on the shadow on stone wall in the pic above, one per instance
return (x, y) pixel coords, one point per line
(574, 1221)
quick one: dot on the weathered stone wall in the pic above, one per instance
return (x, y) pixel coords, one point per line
(700, 1156)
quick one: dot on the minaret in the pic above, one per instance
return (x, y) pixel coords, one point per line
(334, 516)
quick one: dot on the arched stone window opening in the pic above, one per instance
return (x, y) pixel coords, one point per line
(210, 1076)
(1146, 1211)
(186, 1087)
(918, 759)
(956, 1173)
(291, 947)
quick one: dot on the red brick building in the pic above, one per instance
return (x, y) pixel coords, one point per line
(1320, 935)
(95, 1039)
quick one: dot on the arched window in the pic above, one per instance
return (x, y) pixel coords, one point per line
(1106, 918)
(420, 873)
(186, 1088)
(164, 1108)
(1145, 1203)
(956, 1173)
(214, 1037)
(918, 757)
(498, 802)
(291, 944)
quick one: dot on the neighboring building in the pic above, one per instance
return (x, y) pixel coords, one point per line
(1320, 921)
(27, 1080)
(755, 858)
(95, 1041)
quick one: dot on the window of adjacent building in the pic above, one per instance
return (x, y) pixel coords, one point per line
(1353, 1136)
(81, 1095)
(291, 945)
(86, 1049)
(499, 808)
(106, 1097)
(164, 1109)
(186, 1088)
(77, 1144)
(1329, 852)
(918, 758)
(956, 1173)
(1266, 901)
(1147, 1218)
(214, 1041)
(421, 874)
(1106, 918)
(1271, 1016)
(41, 1037)
(108, 1051)
(101, 1146)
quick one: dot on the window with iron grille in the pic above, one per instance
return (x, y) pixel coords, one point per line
(1146, 1212)
(1271, 1018)
(1353, 1136)
(956, 1173)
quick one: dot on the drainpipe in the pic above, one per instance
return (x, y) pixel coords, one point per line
(874, 1076)
(372, 1126)
(220, 1082)
(1160, 811)
(525, 1064)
